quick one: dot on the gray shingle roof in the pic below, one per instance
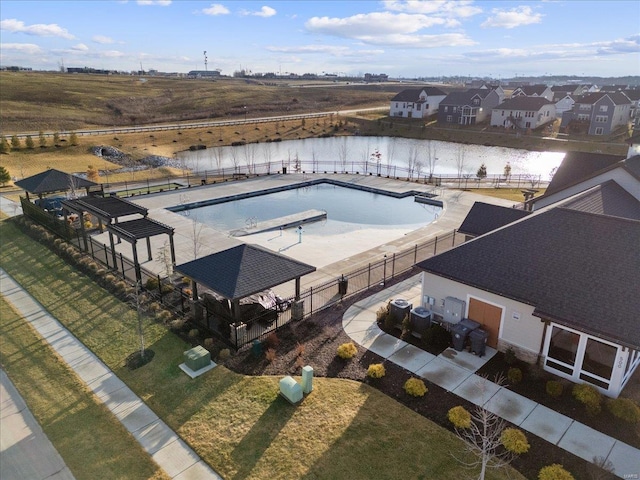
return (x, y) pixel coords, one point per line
(608, 198)
(524, 103)
(617, 98)
(578, 166)
(243, 270)
(575, 268)
(52, 181)
(533, 89)
(464, 98)
(413, 94)
(484, 218)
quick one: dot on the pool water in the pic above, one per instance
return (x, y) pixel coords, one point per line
(351, 208)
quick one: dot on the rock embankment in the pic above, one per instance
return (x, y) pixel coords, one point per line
(118, 157)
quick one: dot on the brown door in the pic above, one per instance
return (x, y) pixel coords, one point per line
(488, 316)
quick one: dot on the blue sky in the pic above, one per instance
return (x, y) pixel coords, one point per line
(398, 37)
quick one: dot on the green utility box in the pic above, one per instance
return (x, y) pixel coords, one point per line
(291, 390)
(197, 358)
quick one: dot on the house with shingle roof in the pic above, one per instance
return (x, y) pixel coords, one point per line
(533, 91)
(598, 113)
(416, 102)
(469, 107)
(523, 112)
(559, 286)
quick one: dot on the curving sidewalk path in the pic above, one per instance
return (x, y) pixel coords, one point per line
(455, 372)
(166, 448)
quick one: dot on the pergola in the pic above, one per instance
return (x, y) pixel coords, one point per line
(242, 271)
(52, 181)
(109, 210)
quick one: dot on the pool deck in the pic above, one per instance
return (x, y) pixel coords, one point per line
(332, 255)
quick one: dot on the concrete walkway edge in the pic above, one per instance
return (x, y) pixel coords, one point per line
(166, 448)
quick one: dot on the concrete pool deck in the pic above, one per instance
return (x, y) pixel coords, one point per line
(332, 255)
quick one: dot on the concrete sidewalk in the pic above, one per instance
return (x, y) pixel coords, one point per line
(455, 372)
(177, 459)
(25, 450)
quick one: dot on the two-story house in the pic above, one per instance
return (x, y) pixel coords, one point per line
(523, 112)
(598, 113)
(468, 108)
(564, 102)
(533, 91)
(416, 102)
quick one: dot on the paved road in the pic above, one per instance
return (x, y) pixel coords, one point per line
(25, 450)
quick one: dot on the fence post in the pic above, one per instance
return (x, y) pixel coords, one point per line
(106, 257)
(310, 300)
(91, 248)
(122, 265)
(181, 300)
(435, 245)
(369, 276)
(159, 288)
(453, 242)
(415, 253)
(393, 266)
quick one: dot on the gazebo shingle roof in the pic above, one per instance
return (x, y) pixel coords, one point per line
(243, 270)
(484, 218)
(52, 181)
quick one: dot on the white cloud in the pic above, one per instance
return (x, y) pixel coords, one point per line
(216, 9)
(264, 12)
(462, 8)
(516, 17)
(80, 47)
(28, 48)
(102, 39)
(419, 41)
(112, 54)
(37, 29)
(372, 24)
(161, 3)
(333, 50)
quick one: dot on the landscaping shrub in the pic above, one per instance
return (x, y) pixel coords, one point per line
(460, 417)
(514, 375)
(166, 288)
(177, 324)
(193, 333)
(554, 388)
(436, 336)
(347, 351)
(209, 343)
(382, 314)
(554, 472)
(624, 409)
(415, 387)
(299, 363)
(589, 396)
(224, 354)
(389, 320)
(299, 349)
(510, 356)
(376, 370)
(152, 283)
(514, 440)
(406, 327)
(272, 340)
(270, 355)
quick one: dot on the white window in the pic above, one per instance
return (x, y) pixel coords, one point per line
(604, 108)
(599, 131)
(449, 118)
(601, 118)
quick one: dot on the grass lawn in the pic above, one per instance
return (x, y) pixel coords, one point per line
(93, 443)
(239, 424)
(514, 194)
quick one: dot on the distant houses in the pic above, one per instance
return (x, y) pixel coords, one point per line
(416, 102)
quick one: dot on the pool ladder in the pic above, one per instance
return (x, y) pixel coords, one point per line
(251, 222)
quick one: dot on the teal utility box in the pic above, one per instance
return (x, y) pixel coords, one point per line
(197, 358)
(307, 379)
(291, 390)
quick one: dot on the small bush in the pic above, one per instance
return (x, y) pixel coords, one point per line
(435, 336)
(347, 350)
(514, 375)
(270, 355)
(376, 370)
(166, 288)
(389, 320)
(152, 284)
(177, 324)
(406, 327)
(624, 409)
(272, 340)
(554, 472)
(510, 356)
(382, 314)
(589, 396)
(514, 440)
(554, 388)
(224, 354)
(193, 333)
(209, 343)
(415, 387)
(187, 292)
(460, 417)
(165, 317)
(186, 280)
(299, 349)
(299, 363)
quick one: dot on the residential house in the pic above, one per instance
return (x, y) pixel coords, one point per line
(556, 286)
(598, 113)
(416, 102)
(564, 102)
(486, 217)
(523, 112)
(533, 91)
(634, 96)
(468, 108)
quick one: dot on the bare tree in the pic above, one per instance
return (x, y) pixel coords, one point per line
(343, 153)
(249, 151)
(431, 159)
(234, 158)
(74, 186)
(487, 436)
(218, 156)
(266, 154)
(413, 158)
(196, 237)
(391, 148)
(461, 164)
(164, 258)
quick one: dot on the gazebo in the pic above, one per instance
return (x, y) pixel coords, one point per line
(110, 210)
(52, 181)
(242, 271)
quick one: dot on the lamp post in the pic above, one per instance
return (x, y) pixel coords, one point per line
(384, 271)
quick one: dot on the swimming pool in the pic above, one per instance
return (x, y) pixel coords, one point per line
(347, 209)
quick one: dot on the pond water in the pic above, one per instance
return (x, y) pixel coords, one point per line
(382, 153)
(347, 209)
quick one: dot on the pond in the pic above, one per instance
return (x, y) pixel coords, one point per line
(382, 153)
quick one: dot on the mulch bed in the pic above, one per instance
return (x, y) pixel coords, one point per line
(314, 342)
